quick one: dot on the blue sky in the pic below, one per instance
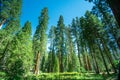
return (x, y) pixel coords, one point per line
(31, 10)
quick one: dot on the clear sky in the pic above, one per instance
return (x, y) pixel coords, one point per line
(31, 10)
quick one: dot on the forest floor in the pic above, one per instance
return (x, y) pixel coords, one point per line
(67, 76)
(73, 76)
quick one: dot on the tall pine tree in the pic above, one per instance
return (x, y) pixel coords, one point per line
(40, 38)
(60, 42)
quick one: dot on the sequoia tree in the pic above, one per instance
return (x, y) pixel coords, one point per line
(40, 38)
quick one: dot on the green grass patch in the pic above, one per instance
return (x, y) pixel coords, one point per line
(66, 76)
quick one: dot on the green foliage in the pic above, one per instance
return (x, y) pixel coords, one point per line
(16, 71)
(52, 63)
(20, 54)
(43, 64)
(26, 47)
(116, 62)
(10, 9)
(2, 75)
(56, 65)
(40, 37)
(52, 57)
(10, 14)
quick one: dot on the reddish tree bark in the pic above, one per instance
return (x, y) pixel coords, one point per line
(37, 65)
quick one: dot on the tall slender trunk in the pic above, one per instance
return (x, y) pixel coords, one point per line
(85, 62)
(115, 6)
(88, 63)
(89, 67)
(108, 55)
(79, 55)
(53, 61)
(105, 64)
(93, 60)
(61, 63)
(118, 42)
(107, 52)
(37, 65)
(96, 63)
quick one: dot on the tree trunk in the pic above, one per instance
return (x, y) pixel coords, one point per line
(118, 42)
(119, 71)
(61, 63)
(115, 6)
(37, 65)
(85, 62)
(96, 63)
(79, 55)
(93, 59)
(103, 60)
(108, 55)
(88, 63)
(105, 64)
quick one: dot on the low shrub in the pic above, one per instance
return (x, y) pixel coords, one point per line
(2, 75)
